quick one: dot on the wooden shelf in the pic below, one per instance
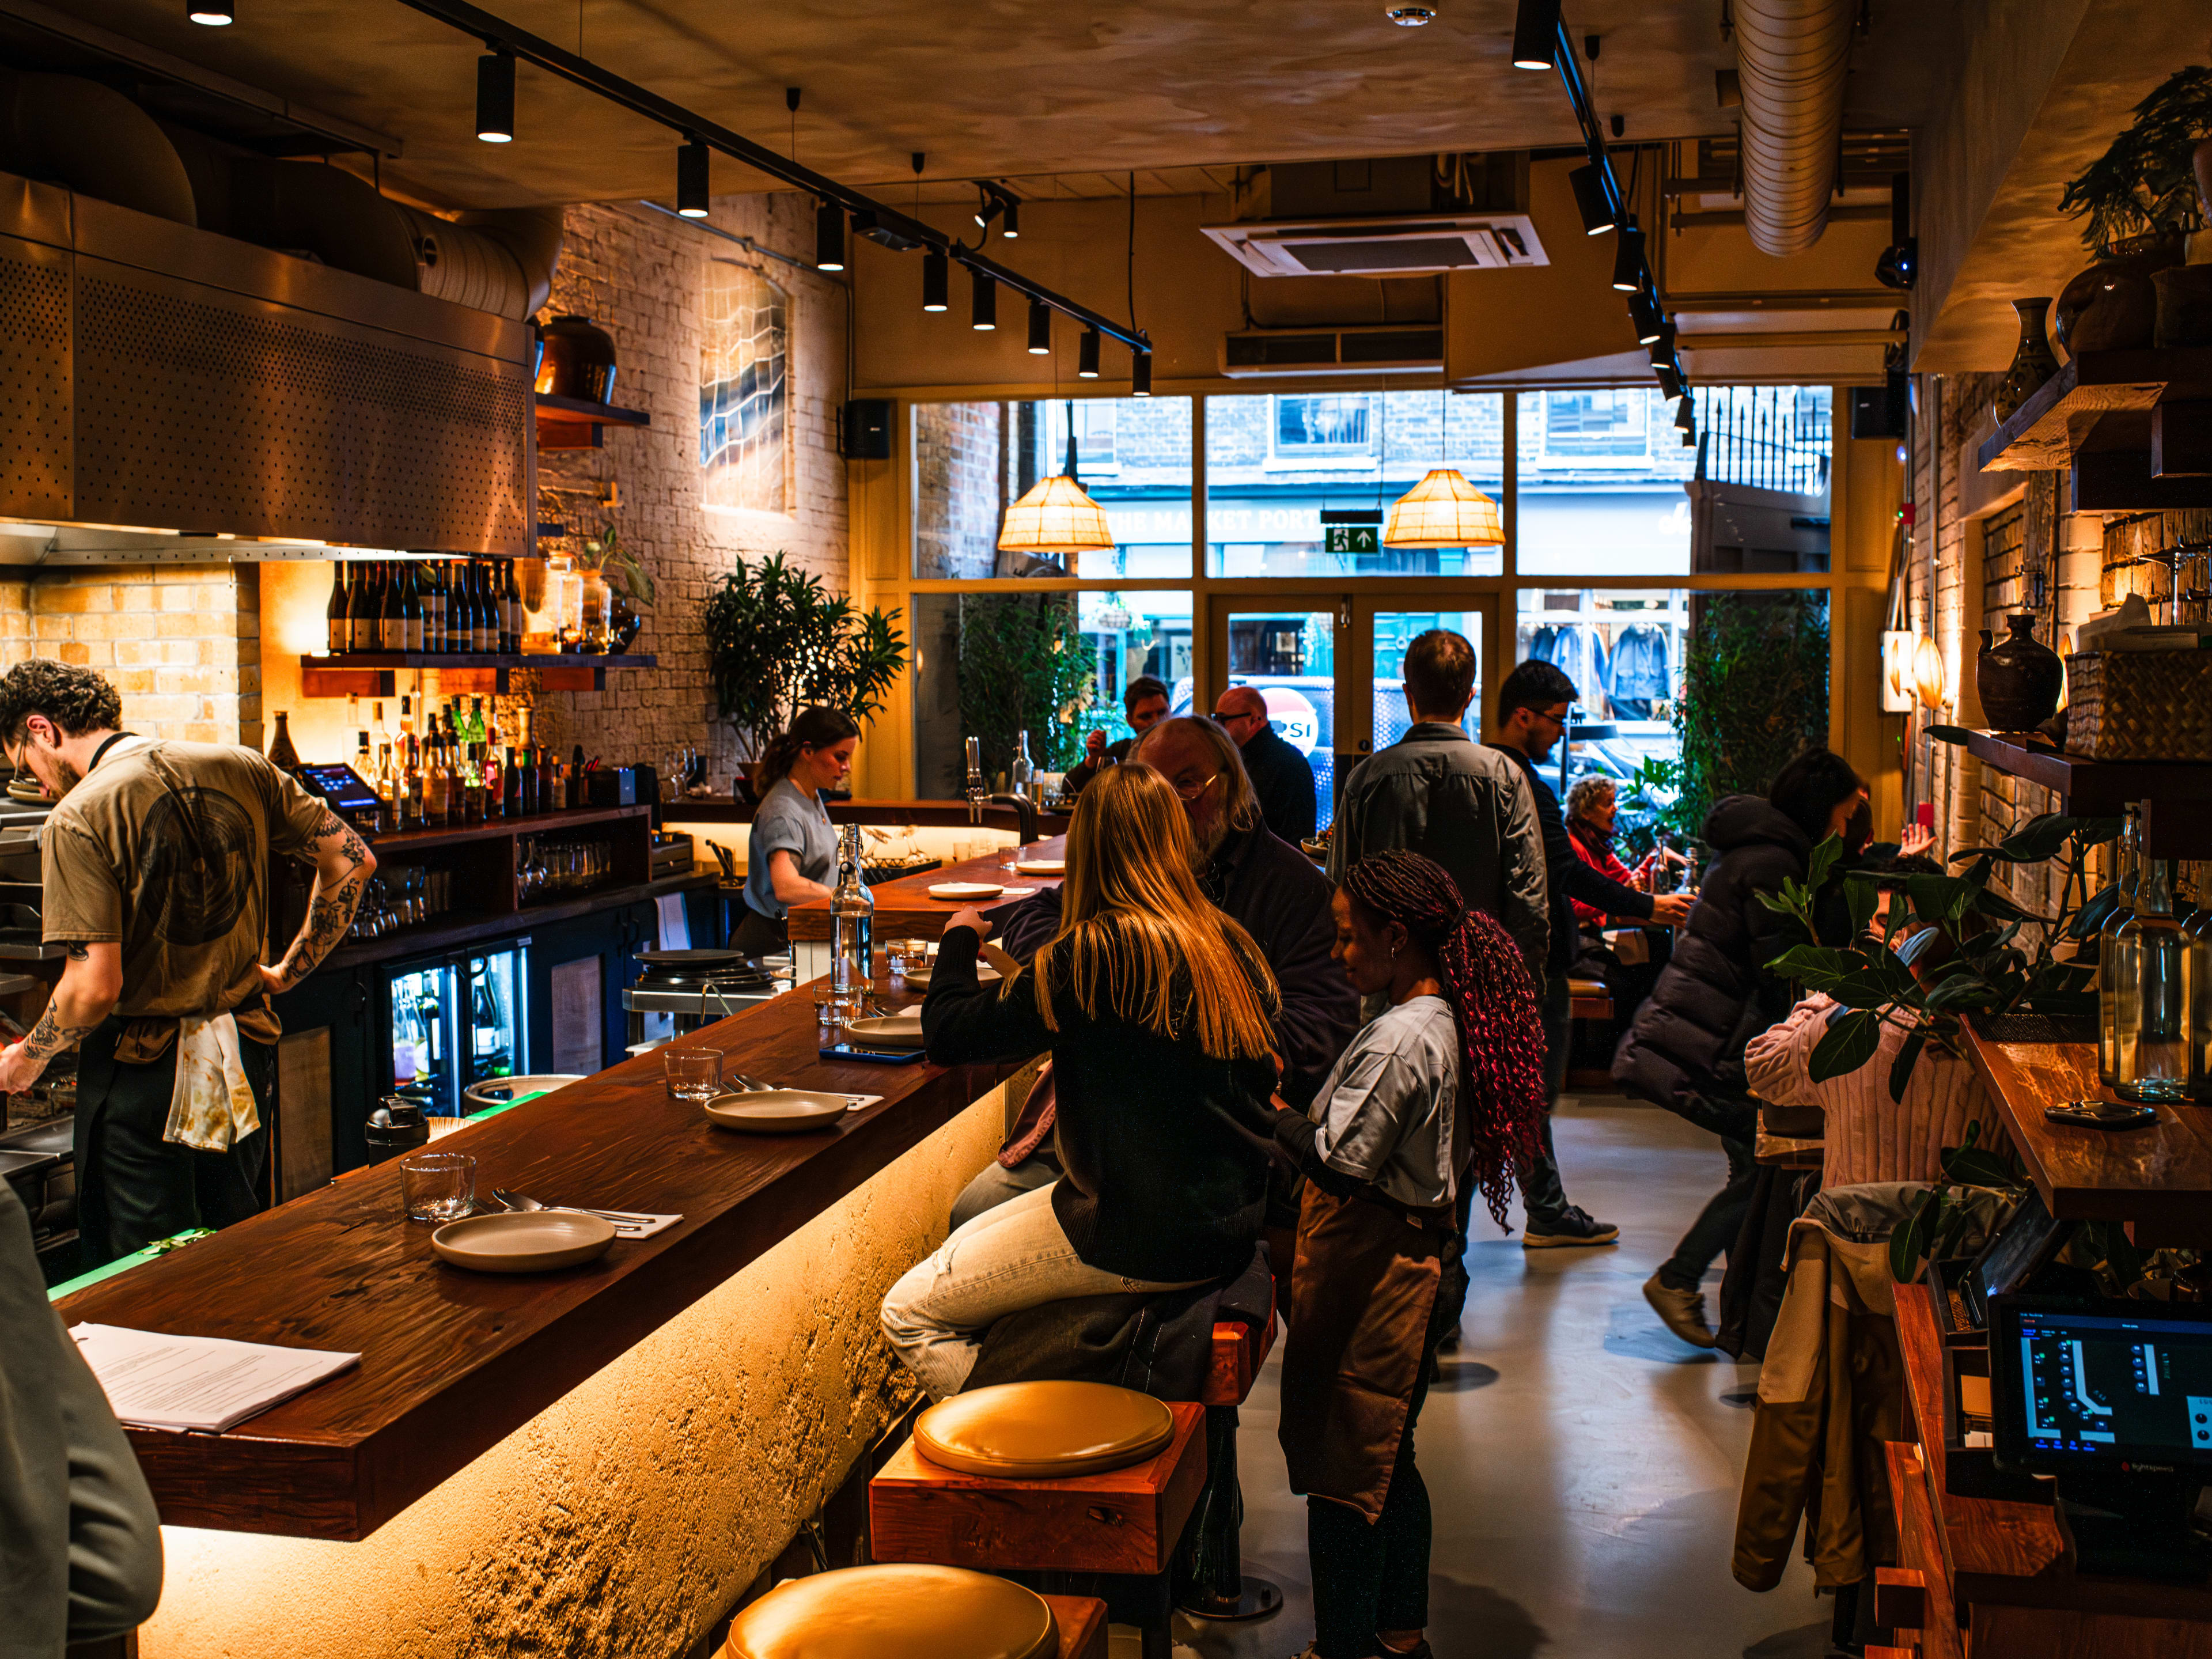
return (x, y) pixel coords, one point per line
(574, 424)
(2134, 426)
(409, 841)
(2176, 796)
(372, 673)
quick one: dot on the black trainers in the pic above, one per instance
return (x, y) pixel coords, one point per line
(1574, 1226)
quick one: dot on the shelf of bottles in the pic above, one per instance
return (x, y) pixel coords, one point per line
(456, 1023)
(2154, 986)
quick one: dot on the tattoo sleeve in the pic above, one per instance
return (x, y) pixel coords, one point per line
(50, 1037)
(330, 907)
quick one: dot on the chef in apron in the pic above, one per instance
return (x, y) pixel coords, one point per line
(1445, 1086)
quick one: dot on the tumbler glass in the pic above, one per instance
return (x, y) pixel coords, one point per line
(438, 1185)
(694, 1074)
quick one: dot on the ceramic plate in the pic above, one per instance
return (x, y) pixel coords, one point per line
(966, 892)
(775, 1111)
(897, 1031)
(1042, 866)
(533, 1241)
(31, 793)
(985, 975)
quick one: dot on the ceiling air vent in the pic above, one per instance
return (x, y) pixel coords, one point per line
(1256, 355)
(1381, 247)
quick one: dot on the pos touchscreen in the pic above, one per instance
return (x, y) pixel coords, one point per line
(2076, 1383)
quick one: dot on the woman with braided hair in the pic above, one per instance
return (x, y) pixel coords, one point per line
(1444, 1087)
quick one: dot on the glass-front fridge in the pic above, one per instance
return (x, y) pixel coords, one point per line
(456, 1020)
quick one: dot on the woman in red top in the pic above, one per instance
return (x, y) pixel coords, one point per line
(1591, 809)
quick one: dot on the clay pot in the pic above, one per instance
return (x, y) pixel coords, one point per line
(2019, 681)
(2112, 306)
(579, 361)
(2185, 306)
(2032, 362)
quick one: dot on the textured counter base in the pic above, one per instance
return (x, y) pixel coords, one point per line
(624, 1519)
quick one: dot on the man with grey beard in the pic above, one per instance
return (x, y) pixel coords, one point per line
(1256, 878)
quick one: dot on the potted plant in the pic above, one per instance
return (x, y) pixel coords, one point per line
(2142, 197)
(1024, 665)
(778, 642)
(616, 587)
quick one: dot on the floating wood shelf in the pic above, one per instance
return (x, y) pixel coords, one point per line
(2134, 428)
(372, 674)
(574, 424)
(2176, 796)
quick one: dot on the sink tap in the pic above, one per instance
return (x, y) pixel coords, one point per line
(977, 795)
(1025, 812)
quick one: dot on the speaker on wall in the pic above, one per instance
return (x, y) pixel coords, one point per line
(865, 429)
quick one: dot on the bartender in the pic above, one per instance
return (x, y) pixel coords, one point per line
(155, 861)
(793, 852)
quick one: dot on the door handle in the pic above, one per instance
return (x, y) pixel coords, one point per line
(1366, 746)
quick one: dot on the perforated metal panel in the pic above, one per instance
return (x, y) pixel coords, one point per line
(199, 409)
(34, 382)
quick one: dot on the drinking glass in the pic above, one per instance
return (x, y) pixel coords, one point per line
(909, 956)
(694, 1074)
(438, 1185)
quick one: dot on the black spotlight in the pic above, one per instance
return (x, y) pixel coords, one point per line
(691, 179)
(212, 12)
(1628, 260)
(829, 237)
(1686, 415)
(1670, 383)
(1662, 348)
(1643, 312)
(1040, 329)
(496, 98)
(1140, 374)
(1086, 355)
(1590, 200)
(1009, 224)
(1899, 264)
(936, 280)
(1536, 35)
(983, 302)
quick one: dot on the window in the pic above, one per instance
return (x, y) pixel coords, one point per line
(1335, 427)
(1593, 498)
(1094, 420)
(1606, 427)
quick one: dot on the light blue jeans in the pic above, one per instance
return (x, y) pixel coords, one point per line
(1014, 1256)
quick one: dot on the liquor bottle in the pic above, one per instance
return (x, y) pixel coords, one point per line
(2109, 965)
(411, 770)
(433, 606)
(852, 926)
(529, 765)
(392, 614)
(1024, 768)
(361, 763)
(282, 755)
(456, 784)
(382, 736)
(387, 792)
(493, 785)
(484, 621)
(473, 732)
(434, 786)
(410, 605)
(473, 792)
(2154, 980)
(511, 787)
(339, 611)
(363, 611)
(511, 608)
(575, 795)
(549, 781)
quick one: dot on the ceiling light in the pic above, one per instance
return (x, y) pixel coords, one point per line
(1670, 383)
(496, 98)
(1140, 374)
(691, 179)
(829, 237)
(1040, 329)
(1685, 416)
(1536, 35)
(1010, 223)
(983, 302)
(1056, 517)
(212, 12)
(1662, 348)
(1086, 355)
(1591, 201)
(1628, 260)
(1410, 17)
(1443, 510)
(1643, 312)
(936, 280)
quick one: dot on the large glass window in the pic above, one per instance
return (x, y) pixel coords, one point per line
(1623, 650)
(1394, 631)
(1134, 634)
(1599, 490)
(1289, 657)
(1299, 485)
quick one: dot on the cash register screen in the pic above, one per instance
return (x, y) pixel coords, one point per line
(2076, 1385)
(339, 785)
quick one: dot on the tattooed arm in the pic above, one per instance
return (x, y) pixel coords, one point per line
(343, 864)
(91, 983)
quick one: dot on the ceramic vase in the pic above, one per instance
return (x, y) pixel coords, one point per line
(2019, 681)
(2032, 364)
(577, 362)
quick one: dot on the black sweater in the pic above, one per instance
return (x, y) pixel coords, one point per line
(1165, 1147)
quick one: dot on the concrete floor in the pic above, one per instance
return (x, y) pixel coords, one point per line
(1581, 1462)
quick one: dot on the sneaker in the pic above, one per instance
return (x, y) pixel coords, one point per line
(1573, 1226)
(1682, 1312)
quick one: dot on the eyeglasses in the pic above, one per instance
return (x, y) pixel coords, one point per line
(1241, 715)
(1193, 791)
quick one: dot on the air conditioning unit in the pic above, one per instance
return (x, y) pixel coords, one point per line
(1257, 353)
(1381, 247)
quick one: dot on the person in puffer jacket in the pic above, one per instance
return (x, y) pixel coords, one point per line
(1685, 1050)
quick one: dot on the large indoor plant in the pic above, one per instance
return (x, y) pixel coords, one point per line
(778, 642)
(1754, 696)
(1024, 666)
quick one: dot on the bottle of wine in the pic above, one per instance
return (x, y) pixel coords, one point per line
(435, 785)
(366, 610)
(513, 592)
(338, 611)
(474, 810)
(282, 755)
(434, 606)
(511, 788)
(576, 777)
(2111, 968)
(415, 615)
(482, 627)
(412, 772)
(387, 792)
(391, 613)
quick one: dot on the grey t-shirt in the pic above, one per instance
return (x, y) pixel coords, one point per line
(1388, 1112)
(790, 820)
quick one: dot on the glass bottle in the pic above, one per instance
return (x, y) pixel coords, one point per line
(1024, 768)
(282, 755)
(433, 606)
(483, 622)
(410, 605)
(2109, 966)
(852, 929)
(368, 608)
(510, 785)
(473, 792)
(436, 786)
(361, 763)
(337, 612)
(2198, 929)
(387, 792)
(2155, 971)
(511, 609)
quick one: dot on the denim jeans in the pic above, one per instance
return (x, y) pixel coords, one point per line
(1014, 1256)
(997, 1184)
(1717, 1224)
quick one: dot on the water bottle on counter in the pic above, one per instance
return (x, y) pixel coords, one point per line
(852, 926)
(2155, 970)
(1024, 769)
(2111, 968)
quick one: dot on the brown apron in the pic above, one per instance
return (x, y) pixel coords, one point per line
(1362, 1295)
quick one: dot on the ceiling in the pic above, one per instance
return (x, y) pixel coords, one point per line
(1004, 88)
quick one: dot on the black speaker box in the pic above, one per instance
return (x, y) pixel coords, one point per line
(865, 429)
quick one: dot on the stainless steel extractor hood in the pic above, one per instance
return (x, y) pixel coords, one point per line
(154, 377)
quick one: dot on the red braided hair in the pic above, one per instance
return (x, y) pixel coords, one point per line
(1501, 1032)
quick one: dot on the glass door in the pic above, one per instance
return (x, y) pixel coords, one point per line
(1285, 649)
(420, 1008)
(497, 1023)
(1385, 624)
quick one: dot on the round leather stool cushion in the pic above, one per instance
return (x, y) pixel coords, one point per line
(913, 1612)
(1042, 1430)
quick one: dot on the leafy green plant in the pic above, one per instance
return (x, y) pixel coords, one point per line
(778, 642)
(1754, 696)
(1648, 801)
(1024, 665)
(2143, 185)
(625, 573)
(1935, 1227)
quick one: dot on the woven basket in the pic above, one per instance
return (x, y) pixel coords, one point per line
(2139, 704)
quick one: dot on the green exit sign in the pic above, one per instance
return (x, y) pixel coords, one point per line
(1351, 539)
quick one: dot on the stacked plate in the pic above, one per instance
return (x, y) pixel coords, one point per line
(893, 1031)
(523, 1242)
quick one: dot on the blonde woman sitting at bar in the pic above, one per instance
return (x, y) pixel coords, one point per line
(1156, 1008)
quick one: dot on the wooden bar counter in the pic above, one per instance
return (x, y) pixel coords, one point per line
(905, 908)
(595, 1460)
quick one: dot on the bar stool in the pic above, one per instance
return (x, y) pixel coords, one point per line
(1074, 1487)
(944, 1613)
(1210, 1576)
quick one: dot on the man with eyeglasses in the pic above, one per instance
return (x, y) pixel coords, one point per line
(1281, 777)
(1144, 705)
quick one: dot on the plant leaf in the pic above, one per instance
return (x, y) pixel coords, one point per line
(1822, 862)
(1900, 1069)
(1848, 1045)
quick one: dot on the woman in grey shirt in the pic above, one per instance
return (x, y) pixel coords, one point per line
(793, 852)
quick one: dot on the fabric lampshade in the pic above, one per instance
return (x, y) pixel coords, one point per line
(1443, 510)
(1056, 516)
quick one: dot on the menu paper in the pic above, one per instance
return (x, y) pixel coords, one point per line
(156, 1381)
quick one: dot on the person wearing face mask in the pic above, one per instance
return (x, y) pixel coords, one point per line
(791, 855)
(1144, 705)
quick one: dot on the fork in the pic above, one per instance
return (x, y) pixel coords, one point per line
(523, 1202)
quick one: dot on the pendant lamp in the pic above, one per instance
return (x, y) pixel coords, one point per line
(1056, 517)
(1443, 510)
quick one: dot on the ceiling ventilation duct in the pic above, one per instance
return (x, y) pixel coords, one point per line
(1791, 58)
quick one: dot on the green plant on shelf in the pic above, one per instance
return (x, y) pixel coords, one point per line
(1754, 696)
(625, 573)
(778, 642)
(2144, 187)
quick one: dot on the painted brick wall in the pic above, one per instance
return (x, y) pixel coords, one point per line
(960, 489)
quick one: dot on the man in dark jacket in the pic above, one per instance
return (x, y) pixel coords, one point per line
(1685, 1051)
(1532, 706)
(1144, 705)
(1282, 778)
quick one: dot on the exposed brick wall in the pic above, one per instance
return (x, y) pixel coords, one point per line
(961, 489)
